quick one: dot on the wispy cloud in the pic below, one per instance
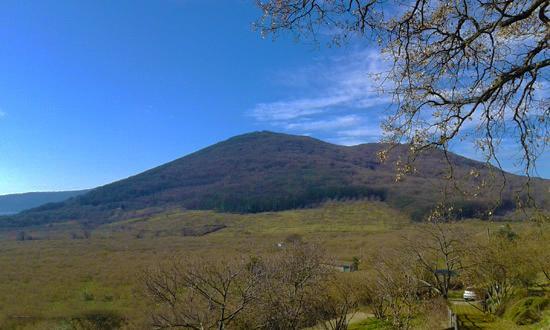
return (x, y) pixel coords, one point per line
(339, 99)
(2, 113)
(286, 110)
(358, 134)
(326, 124)
(362, 132)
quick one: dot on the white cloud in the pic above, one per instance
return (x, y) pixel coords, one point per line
(346, 141)
(338, 96)
(285, 110)
(326, 124)
(358, 135)
(338, 99)
(364, 131)
(2, 113)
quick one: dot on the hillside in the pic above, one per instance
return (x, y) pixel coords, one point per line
(266, 171)
(15, 203)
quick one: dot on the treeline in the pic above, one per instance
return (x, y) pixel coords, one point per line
(239, 201)
(265, 202)
(80, 210)
(468, 209)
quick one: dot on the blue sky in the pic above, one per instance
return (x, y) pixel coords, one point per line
(92, 91)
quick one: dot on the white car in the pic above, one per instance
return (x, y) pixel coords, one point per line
(469, 294)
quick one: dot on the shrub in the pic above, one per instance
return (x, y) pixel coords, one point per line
(87, 296)
(104, 320)
(108, 298)
(21, 236)
(293, 238)
(528, 310)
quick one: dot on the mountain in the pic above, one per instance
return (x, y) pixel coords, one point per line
(265, 171)
(15, 203)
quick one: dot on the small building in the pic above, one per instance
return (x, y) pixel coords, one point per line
(346, 267)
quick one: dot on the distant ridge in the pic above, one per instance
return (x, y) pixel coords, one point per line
(266, 171)
(15, 203)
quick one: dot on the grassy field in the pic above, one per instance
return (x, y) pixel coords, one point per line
(472, 317)
(58, 277)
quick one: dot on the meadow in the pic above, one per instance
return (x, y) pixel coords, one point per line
(65, 273)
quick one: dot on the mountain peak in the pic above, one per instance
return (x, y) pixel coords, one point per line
(262, 171)
(269, 135)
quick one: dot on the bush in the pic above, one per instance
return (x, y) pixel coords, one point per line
(528, 310)
(108, 298)
(294, 238)
(104, 320)
(87, 296)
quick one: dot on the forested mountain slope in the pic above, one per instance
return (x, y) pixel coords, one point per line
(265, 171)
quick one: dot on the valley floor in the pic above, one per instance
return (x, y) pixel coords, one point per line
(65, 273)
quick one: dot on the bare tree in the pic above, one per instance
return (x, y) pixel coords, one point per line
(438, 250)
(291, 281)
(539, 252)
(290, 289)
(374, 298)
(337, 302)
(200, 295)
(393, 290)
(497, 266)
(459, 69)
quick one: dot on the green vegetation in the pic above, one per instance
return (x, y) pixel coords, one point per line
(370, 324)
(528, 310)
(56, 277)
(472, 316)
(65, 278)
